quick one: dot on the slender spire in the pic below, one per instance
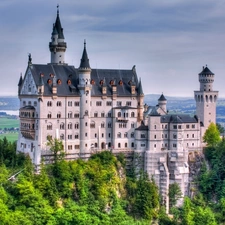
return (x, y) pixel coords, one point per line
(84, 62)
(21, 80)
(140, 89)
(58, 25)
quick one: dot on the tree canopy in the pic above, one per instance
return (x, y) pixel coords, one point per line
(212, 135)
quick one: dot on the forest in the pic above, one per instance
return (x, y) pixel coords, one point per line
(102, 191)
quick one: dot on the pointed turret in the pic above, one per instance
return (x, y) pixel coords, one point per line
(162, 101)
(57, 45)
(140, 89)
(20, 83)
(84, 62)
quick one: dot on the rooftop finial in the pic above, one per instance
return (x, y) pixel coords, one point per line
(85, 43)
(29, 58)
(57, 8)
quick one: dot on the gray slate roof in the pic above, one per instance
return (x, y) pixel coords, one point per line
(206, 71)
(178, 118)
(162, 98)
(65, 72)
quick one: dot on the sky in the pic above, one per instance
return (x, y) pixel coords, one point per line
(169, 41)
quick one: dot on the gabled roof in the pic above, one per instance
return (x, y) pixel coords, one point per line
(178, 118)
(206, 71)
(142, 127)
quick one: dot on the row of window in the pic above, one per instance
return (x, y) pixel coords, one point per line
(188, 126)
(29, 103)
(77, 103)
(59, 103)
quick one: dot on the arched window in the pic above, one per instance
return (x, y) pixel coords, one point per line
(76, 126)
(92, 124)
(126, 135)
(119, 114)
(132, 144)
(49, 115)
(119, 135)
(49, 126)
(76, 115)
(70, 115)
(102, 124)
(119, 145)
(69, 125)
(132, 125)
(132, 114)
(125, 145)
(76, 136)
(49, 103)
(132, 135)
(58, 115)
(62, 127)
(58, 103)
(61, 136)
(109, 125)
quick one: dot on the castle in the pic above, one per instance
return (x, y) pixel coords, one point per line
(97, 109)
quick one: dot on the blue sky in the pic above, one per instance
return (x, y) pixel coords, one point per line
(168, 40)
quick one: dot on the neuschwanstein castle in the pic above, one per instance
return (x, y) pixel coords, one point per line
(97, 109)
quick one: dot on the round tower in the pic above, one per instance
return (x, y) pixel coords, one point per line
(162, 103)
(57, 46)
(84, 86)
(206, 99)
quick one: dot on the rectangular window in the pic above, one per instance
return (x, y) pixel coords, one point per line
(187, 126)
(69, 103)
(76, 103)
(98, 103)
(95, 114)
(179, 126)
(109, 114)
(193, 135)
(95, 135)
(187, 135)
(119, 103)
(174, 136)
(70, 136)
(109, 135)
(142, 135)
(155, 136)
(174, 126)
(76, 146)
(70, 147)
(102, 114)
(174, 145)
(128, 103)
(108, 103)
(102, 135)
(193, 125)
(142, 145)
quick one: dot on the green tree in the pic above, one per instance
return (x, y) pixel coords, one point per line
(174, 194)
(220, 128)
(57, 148)
(212, 135)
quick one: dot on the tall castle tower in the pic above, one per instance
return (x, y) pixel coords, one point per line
(206, 99)
(85, 99)
(57, 46)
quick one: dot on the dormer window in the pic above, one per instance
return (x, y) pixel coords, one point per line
(41, 74)
(51, 75)
(93, 82)
(59, 81)
(49, 81)
(112, 82)
(101, 82)
(120, 82)
(69, 82)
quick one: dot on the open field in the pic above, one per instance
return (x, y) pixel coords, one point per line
(10, 136)
(8, 123)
